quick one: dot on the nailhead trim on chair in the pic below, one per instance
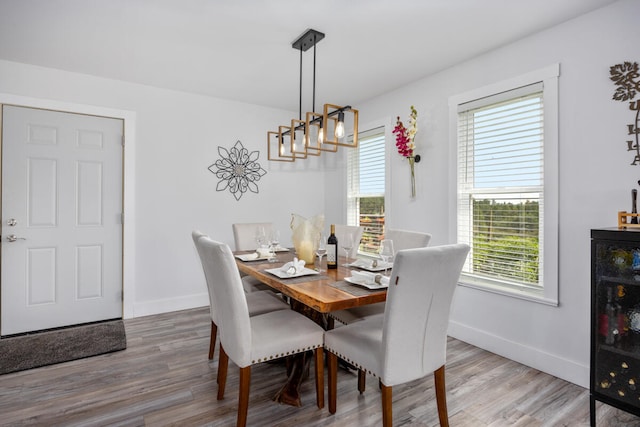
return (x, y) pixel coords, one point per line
(288, 353)
(335, 317)
(346, 359)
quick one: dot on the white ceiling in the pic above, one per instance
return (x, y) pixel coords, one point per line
(241, 49)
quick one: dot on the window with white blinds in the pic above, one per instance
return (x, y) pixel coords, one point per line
(366, 187)
(500, 200)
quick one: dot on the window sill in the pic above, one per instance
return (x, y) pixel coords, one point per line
(532, 295)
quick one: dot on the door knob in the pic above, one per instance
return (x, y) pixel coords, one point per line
(11, 222)
(12, 238)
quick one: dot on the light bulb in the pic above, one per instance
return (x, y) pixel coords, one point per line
(281, 149)
(339, 133)
(320, 135)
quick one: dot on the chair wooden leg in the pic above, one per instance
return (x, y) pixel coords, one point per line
(320, 377)
(333, 381)
(212, 341)
(218, 375)
(387, 413)
(243, 400)
(362, 380)
(223, 363)
(441, 396)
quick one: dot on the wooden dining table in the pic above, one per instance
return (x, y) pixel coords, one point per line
(314, 291)
(315, 296)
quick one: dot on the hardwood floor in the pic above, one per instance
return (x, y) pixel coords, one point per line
(164, 378)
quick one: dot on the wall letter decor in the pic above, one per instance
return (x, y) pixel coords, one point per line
(627, 78)
(238, 170)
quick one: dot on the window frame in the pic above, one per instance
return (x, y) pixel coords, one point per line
(376, 128)
(548, 293)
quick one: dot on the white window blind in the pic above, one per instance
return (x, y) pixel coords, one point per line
(500, 187)
(366, 180)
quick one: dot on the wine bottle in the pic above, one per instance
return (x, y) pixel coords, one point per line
(612, 311)
(332, 249)
(634, 205)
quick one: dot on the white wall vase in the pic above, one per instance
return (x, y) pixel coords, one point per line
(412, 164)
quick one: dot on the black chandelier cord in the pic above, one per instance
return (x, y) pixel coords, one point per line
(300, 100)
(313, 105)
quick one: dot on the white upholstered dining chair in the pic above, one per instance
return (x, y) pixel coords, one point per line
(257, 302)
(244, 234)
(249, 340)
(410, 340)
(405, 239)
(244, 237)
(402, 239)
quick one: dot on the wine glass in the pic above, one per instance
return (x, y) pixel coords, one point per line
(261, 237)
(274, 243)
(386, 253)
(321, 250)
(347, 245)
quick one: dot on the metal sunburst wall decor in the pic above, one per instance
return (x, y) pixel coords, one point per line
(627, 79)
(238, 170)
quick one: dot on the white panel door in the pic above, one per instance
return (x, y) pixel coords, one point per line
(61, 250)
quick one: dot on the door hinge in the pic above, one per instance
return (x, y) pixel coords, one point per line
(122, 218)
(122, 140)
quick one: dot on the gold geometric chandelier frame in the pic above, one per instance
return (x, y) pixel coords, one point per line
(317, 132)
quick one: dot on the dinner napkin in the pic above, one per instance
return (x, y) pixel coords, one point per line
(293, 267)
(369, 278)
(249, 257)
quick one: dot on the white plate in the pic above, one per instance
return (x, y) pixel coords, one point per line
(372, 286)
(281, 249)
(251, 257)
(366, 264)
(284, 275)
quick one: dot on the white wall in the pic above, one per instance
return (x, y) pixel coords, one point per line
(177, 138)
(595, 178)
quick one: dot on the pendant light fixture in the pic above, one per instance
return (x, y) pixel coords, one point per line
(318, 132)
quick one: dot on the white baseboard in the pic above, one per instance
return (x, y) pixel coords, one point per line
(159, 306)
(565, 369)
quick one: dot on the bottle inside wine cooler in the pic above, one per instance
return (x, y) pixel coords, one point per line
(612, 318)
